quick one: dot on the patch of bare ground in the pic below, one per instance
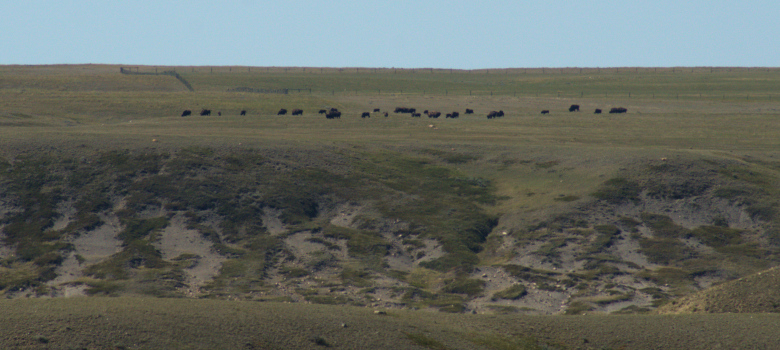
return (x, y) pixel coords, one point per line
(176, 239)
(272, 222)
(689, 212)
(89, 248)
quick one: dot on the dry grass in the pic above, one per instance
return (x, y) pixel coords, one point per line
(134, 323)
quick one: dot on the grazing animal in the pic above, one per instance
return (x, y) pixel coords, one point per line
(469, 111)
(365, 115)
(618, 110)
(243, 112)
(334, 110)
(434, 114)
(404, 110)
(385, 114)
(297, 111)
(205, 112)
(500, 113)
(545, 112)
(416, 115)
(322, 111)
(282, 112)
(186, 113)
(449, 115)
(333, 114)
(455, 114)
(598, 111)
(219, 113)
(376, 109)
(492, 114)
(574, 108)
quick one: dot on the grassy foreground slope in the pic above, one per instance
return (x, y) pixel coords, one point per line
(106, 190)
(136, 323)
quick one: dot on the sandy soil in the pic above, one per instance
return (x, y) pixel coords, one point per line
(176, 240)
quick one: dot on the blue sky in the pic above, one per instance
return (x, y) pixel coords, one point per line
(440, 34)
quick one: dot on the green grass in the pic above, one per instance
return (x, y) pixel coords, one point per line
(82, 137)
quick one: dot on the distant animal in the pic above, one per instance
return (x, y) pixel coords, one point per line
(545, 112)
(469, 111)
(493, 114)
(404, 110)
(297, 112)
(243, 112)
(219, 113)
(333, 114)
(385, 114)
(574, 108)
(376, 109)
(434, 114)
(416, 115)
(334, 110)
(454, 115)
(618, 110)
(449, 115)
(281, 112)
(205, 112)
(186, 113)
(322, 111)
(365, 115)
(500, 113)
(598, 111)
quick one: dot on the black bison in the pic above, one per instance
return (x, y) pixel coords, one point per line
(598, 111)
(545, 112)
(376, 109)
(434, 114)
(469, 111)
(618, 110)
(205, 112)
(404, 110)
(281, 112)
(297, 112)
(453, 115)
(494, 114)
(385, 114)
(417, 115)
(365, 115)
(333, 114)
(574, 108)
(243, 112)
(219, 113)
(186, 113)
(322, 111)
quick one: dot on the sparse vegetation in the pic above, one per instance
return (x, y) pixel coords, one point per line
(397, 212)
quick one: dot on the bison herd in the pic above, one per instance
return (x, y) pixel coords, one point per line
(334, 113)
(576, 108)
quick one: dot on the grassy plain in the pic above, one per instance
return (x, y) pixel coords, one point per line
(88, 135)
(142, 323)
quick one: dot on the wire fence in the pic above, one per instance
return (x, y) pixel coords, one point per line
(455, 90)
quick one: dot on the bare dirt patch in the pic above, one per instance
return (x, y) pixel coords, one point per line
(176, 239)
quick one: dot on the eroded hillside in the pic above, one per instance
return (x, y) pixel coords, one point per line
(379, 228)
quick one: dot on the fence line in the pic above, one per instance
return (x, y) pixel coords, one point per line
(172, 73)
(487, 71)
